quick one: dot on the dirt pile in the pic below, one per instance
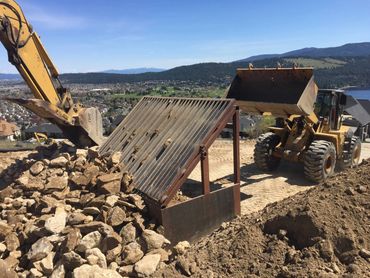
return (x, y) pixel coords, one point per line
(323, 232)
(70, 213)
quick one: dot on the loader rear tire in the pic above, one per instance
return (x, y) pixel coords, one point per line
(319, 160)
(351, 153)
(263, 151)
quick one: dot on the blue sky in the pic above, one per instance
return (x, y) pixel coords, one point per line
(90, 35)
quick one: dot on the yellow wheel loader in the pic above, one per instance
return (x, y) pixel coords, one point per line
(83, 126)
(309, 126)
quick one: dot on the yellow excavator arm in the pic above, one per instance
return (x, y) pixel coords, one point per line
(83, 126)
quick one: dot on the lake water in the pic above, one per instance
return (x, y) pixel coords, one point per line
(360, 94)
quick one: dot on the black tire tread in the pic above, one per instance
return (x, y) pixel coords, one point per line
(314, 160)
(264, 144)
(347, 158)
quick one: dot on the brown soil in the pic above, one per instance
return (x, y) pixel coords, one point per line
(258, 188)
(322, 232)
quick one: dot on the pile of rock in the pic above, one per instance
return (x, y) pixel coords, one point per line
(71, 213)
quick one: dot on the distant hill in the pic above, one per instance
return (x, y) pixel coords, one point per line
(10, 76)
(347, 65)
(332, 72)
(347, 50)
(134, 70)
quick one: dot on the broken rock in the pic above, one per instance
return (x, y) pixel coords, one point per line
(113, 254)
(2, 248)
(94, 271)
(128, 233)
(46, 264)
(34, 273)
(56, 183)
(59, 271)
(12, 242)
(89, 241)
(72, 240)
(57, 223)
(111, 241)
(80, 180)
(5, 229)
(76, 218)
(96, 257)
(154, 240)
(132, 253)
(111, 200)
(58, 162)
(6, 271)
(182, 247)
(91, 211)
(116, 216)
(147, 265)
(115, 158)
(103, 179)
(40, 249)
(37, 168)
(110, 188)
(365, 253)
(71, 260)
(95, 226)
(93, 152)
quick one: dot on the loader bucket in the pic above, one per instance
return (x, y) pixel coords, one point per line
(281, 92)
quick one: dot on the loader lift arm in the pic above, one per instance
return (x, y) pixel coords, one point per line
(83, 126)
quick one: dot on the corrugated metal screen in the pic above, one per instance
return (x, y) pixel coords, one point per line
(160, 136)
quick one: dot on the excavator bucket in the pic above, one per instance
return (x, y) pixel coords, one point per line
(281, 92)
(87, 130)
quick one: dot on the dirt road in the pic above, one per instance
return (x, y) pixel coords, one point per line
(257, 189)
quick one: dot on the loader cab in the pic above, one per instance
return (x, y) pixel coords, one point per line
(329, 107)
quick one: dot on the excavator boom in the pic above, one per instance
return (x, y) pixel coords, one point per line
(83, 126)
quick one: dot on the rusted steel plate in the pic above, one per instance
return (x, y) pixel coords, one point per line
(197, 217)
(161, 138)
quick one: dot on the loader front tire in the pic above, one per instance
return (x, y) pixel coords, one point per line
(263, 151)
(351, 153)
(319, 161)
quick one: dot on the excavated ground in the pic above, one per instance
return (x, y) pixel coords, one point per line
(258, 189)
(322, 232)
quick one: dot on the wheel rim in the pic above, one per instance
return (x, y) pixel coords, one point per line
(328, 166)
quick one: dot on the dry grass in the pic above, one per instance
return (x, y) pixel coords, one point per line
(324, 63)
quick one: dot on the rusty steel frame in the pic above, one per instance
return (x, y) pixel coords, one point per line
(210, 209)
(210, 214)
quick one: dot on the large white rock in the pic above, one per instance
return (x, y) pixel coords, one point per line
(182, 247)
(147, 265)
(59, 271)
(154, 240)
(57, 223)
(94, 271)
(96, 257)
(46, 264)
(89, 241)
(60, 161)
(132, 253)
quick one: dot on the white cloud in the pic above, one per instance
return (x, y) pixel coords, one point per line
(52, 20)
